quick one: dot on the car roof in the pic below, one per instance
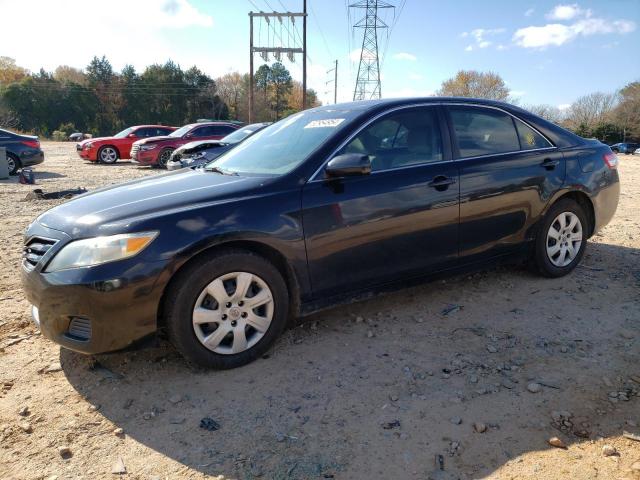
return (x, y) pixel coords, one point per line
(153, 126)
(217, 122)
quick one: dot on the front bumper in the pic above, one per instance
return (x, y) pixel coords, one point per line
(148, 157)
(118, 301)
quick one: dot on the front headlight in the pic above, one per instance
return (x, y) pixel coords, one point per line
(88, 146)
(144, 148)
(98, 250)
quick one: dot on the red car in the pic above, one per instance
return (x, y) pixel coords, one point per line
(158, 150)
(110, 149)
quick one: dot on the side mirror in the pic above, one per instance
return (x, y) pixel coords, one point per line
(348, 165)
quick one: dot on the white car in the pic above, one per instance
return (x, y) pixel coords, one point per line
(637, 151)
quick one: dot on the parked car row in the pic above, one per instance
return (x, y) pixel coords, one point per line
(625, 147)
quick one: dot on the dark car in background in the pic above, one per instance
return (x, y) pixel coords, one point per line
(196, 154)
(625, 147)
(22, 150)
(322, 207)
(157, 151)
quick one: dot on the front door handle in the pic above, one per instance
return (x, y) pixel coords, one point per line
(550, 164)
(441, 183)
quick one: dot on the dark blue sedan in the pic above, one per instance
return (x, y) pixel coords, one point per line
(21, 150)
(320, 208)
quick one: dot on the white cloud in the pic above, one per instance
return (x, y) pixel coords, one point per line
(405, 56)
(529, 12)
(564, 106)
(139, 37)
(567, 12)
(480, 37)
(556, 34)
(517, 93)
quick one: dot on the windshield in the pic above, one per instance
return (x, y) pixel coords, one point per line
(123, 133)
(239, 135)
(283, 146)
(181, 131)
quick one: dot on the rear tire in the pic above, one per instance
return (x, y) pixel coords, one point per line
(108, 155)
(562, 239)
(14, 163)
(207, 297)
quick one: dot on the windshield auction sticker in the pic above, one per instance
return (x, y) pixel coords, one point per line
(326, 123)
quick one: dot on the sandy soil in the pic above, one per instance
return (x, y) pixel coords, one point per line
(388, 388)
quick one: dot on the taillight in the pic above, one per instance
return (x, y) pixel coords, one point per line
(31, 143)
(611, 159)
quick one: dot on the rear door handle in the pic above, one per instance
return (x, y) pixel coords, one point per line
(441, 182)
(550, 164)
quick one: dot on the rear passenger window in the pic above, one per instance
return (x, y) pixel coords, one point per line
(483, 131)
(399, 140)
(529, 138)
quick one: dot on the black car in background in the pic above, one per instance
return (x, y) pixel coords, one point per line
(198, 153)
(625, 147)
(322, 207)
(22, 150)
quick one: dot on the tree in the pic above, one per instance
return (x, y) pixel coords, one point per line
(548, 112)
(282, 84)
(591, 110)
(67, 74)
(10, 72)
(627, 113)
(471, 83)
(232, 89)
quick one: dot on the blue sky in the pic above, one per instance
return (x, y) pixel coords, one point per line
(547, 51)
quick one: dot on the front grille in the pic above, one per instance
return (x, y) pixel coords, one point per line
(78, 147)
(35, 249)
(79, 329)
(134, 150)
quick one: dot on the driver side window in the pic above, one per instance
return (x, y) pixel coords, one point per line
(406, 138)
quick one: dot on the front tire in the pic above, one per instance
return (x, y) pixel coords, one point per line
(108, 155)
(13, 163)
(226, 310)
(562, 239)
(164, 157)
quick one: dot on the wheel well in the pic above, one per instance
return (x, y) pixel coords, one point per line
(584, 201)
(112, 146)
(269, 253)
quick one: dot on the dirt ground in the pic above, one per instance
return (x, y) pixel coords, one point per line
(429, 382)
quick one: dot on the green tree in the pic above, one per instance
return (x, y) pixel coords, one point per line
(282, 84)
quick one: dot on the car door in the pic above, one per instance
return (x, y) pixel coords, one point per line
(508, 172)
(398, 222)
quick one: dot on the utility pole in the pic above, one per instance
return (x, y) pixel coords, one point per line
(368, 81)
(335, 81)
(278, 50)
(304, 55)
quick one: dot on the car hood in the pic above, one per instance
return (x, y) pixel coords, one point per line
(199, 145)
(97, 139)
(146, 141)
(118, 208)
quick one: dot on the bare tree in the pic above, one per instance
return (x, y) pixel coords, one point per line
(8, 119)
(548, 112)
(471, 83)
(627, 113)
(591, 110)
(231, 88)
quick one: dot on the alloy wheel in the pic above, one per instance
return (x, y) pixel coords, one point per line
(108, 155)
(233, 313)
(11, 164)
(564, 239)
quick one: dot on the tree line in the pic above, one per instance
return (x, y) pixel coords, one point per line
(102, 101)
(610, 117)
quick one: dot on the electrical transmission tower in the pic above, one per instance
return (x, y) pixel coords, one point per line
(368, 82)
